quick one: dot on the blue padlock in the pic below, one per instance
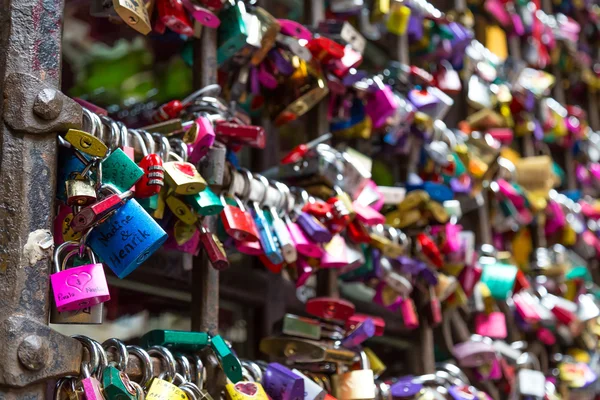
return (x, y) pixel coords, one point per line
(438, 191)
(266, 238)
(127, 238)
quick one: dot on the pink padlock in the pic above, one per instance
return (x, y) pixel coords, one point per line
(496, 9)
(452, 233)
(556, 218)
(303, 245)
(546, 336)
(204, 140)
(203, 15)
(517, 23)
(370, 190)
(294, 29)
(508, 191)
(385, 296)
(335, 255)
(381, 105)
(489, 371)
(473, 354)
(266, 78)
(78, 287)
(367, 215)
(250, 248)
(409, 313)
(191, 246)
(491, 325)
(589, 210)
(595, 170)
(583, 175)
(303, 271)
(525, 309)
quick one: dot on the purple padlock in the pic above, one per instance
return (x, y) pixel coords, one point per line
(405, 387)
(429, 275)
(254, 81)
(265, 78)
(362, 332)
(283, 66)
(353, 76)
(538, 132)
(415, 27)
(422, 99)
(314, 229)
(386, 297)
(381, 104)
(281, 383)
(460, 186)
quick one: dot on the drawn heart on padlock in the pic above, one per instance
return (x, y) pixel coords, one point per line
(248, 388)
(185, 168)
(78, 281)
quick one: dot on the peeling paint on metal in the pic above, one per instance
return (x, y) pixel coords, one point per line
(40, 244)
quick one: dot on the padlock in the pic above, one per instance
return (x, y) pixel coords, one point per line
(86, 143)
(381, 104)
(213, 165)
(98, 211)
(202, 15)
(245, 391)
(117, 385)
(284, 239)
(233, 133)
(152, 180)
(127, 238)
(304, 351)
(294, 325)
(178, 340)
(181, 210)
(329, 308)
(312, 390)
(161, 389)
(229, 362)
(268, 30)
(361, 332)
(303, 271)
(90, 385)
(304, 89)
(233, 34)
(281, 383)
(237, 222)
(183, 177)
(313, 228)
(204, 140)
(447, 79)
(214, 249)
(77, 287)
(335, 253)
(172, 14)
(85, 316)
(205, 203)
(184, 238)
(133, 14)
(302, 243)
(120, 171)
(409, 313)
(294, 29)
(62, 225)
(398, 18)
(266, 238)
(531, 383)
(473, 354)
(492, 325)
(80, 190)
(357, 384)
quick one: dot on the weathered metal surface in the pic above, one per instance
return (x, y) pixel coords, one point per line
(205, 279)
(33, 106)
(30, 42)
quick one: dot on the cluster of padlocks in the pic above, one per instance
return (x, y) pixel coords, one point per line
(525, 163)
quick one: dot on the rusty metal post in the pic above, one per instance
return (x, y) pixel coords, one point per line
(205, 279)
(32, 112)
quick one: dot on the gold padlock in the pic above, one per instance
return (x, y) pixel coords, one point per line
(183, 177)
(304, 89)
(181, 210)
(86, 143)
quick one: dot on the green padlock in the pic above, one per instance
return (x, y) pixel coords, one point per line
(205, 203)
(117, 385)
(120, 171)
(180, 340)
(229, 362)
(500, 279)
(150, 204)
(232, 33)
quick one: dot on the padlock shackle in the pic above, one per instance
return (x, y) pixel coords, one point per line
(59, 250)
(94, 120)
(140, 140)
(114, 131)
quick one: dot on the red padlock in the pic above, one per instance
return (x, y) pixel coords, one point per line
(232, 133)
(430, 250)
(237, 222)
(173, 15)
(168, 111)
(153, 180)
(325, 50)
(329, 308)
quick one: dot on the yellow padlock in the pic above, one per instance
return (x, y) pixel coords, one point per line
(163, 390)
(86, 143)
(397, 22)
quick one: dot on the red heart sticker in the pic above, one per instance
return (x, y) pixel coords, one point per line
(248, 388)
(186, 168)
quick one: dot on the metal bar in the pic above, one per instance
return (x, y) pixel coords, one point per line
(31, 352)
(205, 279)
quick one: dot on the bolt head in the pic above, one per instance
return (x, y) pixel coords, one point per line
(48, 104)
(33, 352)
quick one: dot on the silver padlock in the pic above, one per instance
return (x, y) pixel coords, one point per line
(212, 166)
(87, 316)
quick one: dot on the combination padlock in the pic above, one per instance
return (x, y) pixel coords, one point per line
(154, 174)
